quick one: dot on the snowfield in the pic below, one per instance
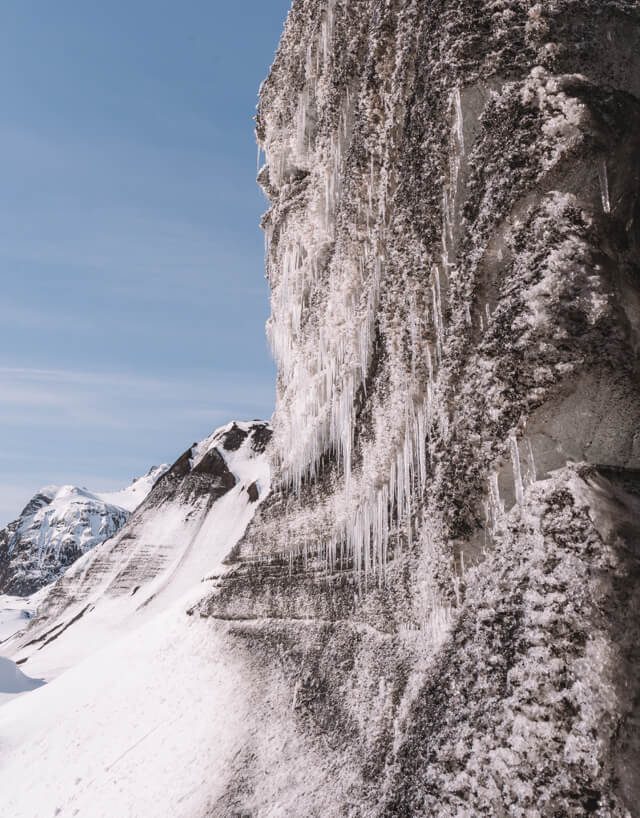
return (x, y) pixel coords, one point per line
(142, 708)
(130, 497)
(142, 728)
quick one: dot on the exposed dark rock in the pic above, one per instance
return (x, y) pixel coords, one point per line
(234, 438)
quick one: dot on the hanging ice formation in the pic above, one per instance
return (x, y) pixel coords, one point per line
(604, 186)
(326, 284)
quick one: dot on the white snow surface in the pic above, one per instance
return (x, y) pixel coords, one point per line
(13, 680)
(142, 728)
(143, 709)
(132, 496)
(15, 612)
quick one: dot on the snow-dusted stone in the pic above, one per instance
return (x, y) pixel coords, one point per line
(453, 250)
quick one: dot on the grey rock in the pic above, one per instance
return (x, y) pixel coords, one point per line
(445, 578)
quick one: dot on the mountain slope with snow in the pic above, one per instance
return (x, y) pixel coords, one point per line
(180, 535)
(148, 692)
(134, 494)
(59, 525)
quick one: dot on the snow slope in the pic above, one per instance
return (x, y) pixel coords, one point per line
(155, 705)
(15, 612)
(133, 495)
(142, 728)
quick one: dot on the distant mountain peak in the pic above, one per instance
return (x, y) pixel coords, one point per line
(58, 525)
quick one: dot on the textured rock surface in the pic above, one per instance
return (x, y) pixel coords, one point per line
(445, 601)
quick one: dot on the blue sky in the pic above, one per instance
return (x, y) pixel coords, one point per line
(133, 293)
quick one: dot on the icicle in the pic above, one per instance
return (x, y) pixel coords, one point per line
(459, 120)
(604, 185)
(532, 462)
(495, 501)
(517, 472)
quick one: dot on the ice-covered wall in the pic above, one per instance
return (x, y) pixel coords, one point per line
(439, 256)
(453, 249)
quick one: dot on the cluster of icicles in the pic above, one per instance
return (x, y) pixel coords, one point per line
(322, 362)
(325, 296)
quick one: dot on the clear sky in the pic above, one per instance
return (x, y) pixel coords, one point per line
(133, 296)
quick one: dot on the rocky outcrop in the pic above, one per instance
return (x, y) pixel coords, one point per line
(444, 580)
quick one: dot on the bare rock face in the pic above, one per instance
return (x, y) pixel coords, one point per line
(445, 579)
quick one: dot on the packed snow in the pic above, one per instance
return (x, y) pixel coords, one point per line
(144, 727)
(13, 681)
(15, 613)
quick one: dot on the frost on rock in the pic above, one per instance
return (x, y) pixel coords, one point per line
(452, 247)
(389, 249)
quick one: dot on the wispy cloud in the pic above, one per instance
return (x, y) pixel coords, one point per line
(64, 425)
(122, 399)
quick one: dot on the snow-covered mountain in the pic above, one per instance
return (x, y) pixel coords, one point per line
(58, 525)
(141, 705)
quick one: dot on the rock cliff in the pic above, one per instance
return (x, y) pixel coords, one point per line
(443, 590)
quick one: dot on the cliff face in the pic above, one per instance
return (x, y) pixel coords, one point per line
(444, 581)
